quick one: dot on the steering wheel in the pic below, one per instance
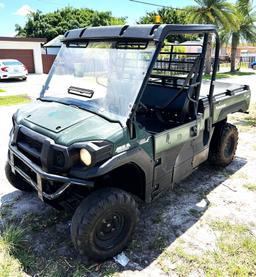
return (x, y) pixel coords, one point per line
(143, 108)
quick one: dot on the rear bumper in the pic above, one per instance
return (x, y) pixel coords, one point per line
(12, 75)
(16, 158)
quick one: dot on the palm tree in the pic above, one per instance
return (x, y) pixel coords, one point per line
(218, 12)
(246, 30)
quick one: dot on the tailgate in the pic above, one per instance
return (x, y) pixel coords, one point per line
(234, 98)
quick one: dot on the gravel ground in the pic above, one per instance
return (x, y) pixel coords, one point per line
(180, 217)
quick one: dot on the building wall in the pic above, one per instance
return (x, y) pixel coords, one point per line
(52, 50)
(35, 46)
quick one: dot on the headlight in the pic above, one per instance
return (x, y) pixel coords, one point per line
(85, 157)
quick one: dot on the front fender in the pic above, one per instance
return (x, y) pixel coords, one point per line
(136, 156)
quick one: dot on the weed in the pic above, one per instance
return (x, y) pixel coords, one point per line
(12, 256)
(159, 243)
(235, 254)
(222, 75)
(250, 186)
(14, 100)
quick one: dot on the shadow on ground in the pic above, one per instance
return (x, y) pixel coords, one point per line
(12, 80)
(49, 250)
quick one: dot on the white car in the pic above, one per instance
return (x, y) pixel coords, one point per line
(12, 69)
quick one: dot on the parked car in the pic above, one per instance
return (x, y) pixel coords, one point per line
(253, 65)
(12, 69)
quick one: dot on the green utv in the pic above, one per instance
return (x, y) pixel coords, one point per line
(123, 115)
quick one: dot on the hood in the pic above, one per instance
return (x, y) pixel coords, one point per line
(67, 124)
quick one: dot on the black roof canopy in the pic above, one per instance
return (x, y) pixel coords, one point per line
(141, 32)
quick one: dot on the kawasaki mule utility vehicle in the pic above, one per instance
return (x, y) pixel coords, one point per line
(123, 115)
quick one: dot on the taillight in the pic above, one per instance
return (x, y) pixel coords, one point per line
(4, 68)
(24, 67)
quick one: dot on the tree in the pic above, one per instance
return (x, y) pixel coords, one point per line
(246, 18)
(218, 12)
(168, 16)
(50, 25)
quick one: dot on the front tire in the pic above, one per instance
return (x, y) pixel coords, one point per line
(103, 223)
(223, 145)
(16, 180)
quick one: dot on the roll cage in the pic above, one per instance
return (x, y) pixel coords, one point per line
(160, 71)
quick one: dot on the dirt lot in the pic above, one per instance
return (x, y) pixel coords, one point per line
(206, 226)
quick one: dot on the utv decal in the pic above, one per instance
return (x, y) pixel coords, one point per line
(144, 140)
(122, 148)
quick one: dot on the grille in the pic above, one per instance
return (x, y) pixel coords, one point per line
(21, 165)
(29, 146)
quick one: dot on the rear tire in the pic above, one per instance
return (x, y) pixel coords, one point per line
(16, 180)
(103, 223)
(223, 145)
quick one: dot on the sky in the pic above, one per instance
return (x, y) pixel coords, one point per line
(15, 11)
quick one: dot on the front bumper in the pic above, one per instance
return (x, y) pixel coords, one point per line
(16, 158)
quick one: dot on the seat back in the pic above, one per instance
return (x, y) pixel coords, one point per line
(158, 96)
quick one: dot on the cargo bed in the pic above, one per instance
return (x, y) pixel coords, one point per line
(227, 98)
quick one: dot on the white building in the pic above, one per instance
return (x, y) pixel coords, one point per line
(26, 50)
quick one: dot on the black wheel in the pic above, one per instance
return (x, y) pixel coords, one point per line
(103, 223)
(223, 145)
(254, 67)
(16, 180)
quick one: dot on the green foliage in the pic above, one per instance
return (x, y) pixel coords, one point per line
(222, 75)
(251, 187)
(246, 28)
(168, 16)
(234, 255)
(13, 100)
(218, 12)
(13, 258)
(50, 25)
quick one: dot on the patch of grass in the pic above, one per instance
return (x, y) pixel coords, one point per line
(182, 260)
(235, 254)
(239, 175)
(110, 271)
(245, 122)
(251, 118)
(251, 187)
(2, 90)
(54, 269)
(135, 245)
(159, 243)
(222, 75)
(236, 251)
(228, 228)
(14, 100)
(13, 257)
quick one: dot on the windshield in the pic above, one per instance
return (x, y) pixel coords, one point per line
(103, 77)
(9, 63)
